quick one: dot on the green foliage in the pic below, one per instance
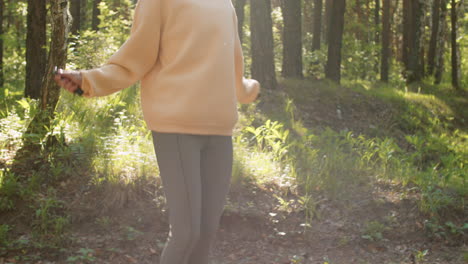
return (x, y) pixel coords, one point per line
(50, 222)
(360, 59)
(315, 61)
(374, 230)
(9, 190)
(83, 255)
(4, 230)
(90, 48)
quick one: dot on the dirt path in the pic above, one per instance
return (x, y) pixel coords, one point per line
(372, 227)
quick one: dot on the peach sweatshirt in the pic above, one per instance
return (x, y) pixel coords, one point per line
(188, 57)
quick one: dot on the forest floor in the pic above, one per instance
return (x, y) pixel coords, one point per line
(376, 225)
(379, 222)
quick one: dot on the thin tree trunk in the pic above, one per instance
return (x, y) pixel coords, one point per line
(386, 33)
(36, 53)
(434, 35)
(327, 19)
(414, 60)
(60, 22)
(377, 21)
(2, 7)
(96, 12)
(407, 32)
(263, 66)
(292, 39)
(239, 5)
(318, 6)
(456, 73)
(84, 15)
(75, 11)
(377, 31)
(50, 91)
(439, 51)
(332, 69)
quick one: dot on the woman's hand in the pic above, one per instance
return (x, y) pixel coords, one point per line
(69, 80)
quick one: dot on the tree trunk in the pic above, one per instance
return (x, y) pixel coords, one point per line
(96, 12)
(456, 58)
(318, 6)
(50, 91)
(57, 55)
(415, 71)
(239, 5)
(377, 21)
(75, 11)
(292, 39)
(335, 39)
(84, 15)
(327, 19)
(308, 17)
(36, 53)
(386, 33)
(440, 38)
(407, 32)
(2, 7)
(263, 66)
(434, 34)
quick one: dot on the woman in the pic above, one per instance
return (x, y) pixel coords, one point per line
(188, 57)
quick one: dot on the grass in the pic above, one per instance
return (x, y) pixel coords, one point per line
(293, 138)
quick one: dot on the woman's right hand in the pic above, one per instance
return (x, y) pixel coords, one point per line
(69, 80)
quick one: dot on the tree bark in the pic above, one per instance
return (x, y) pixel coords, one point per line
(335, 39)
(415, 71)
(60, 22)
(407, 32)
(2, 8)
(263, 66)
(239, 5)
(386, 35)
(316, 41)
(50, 91)
(35, 47)
(327, 19)
(434, 34)
(75, 11)
(439, 51)
(456, 57)
(377, 21)
(95, 18)
(292, 39)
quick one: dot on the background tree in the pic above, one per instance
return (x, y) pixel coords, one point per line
(50, 91)
(261, 27)
(327, 19)
(440, 47)
(75, 11)
(414, 66)
(456, 66)
(335, 39)
(95, 16)
(377, 21)
(407, 32)
(292, 39)
(434, 35)
(35, 47)
(386, 32)
(239, 5)
(2, 8)
(317, 32)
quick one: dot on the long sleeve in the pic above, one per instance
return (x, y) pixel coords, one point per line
(134, 59)
(247, 90)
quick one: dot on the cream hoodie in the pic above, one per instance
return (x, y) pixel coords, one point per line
(188, 57)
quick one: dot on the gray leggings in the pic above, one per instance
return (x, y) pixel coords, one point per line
(195, 172)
